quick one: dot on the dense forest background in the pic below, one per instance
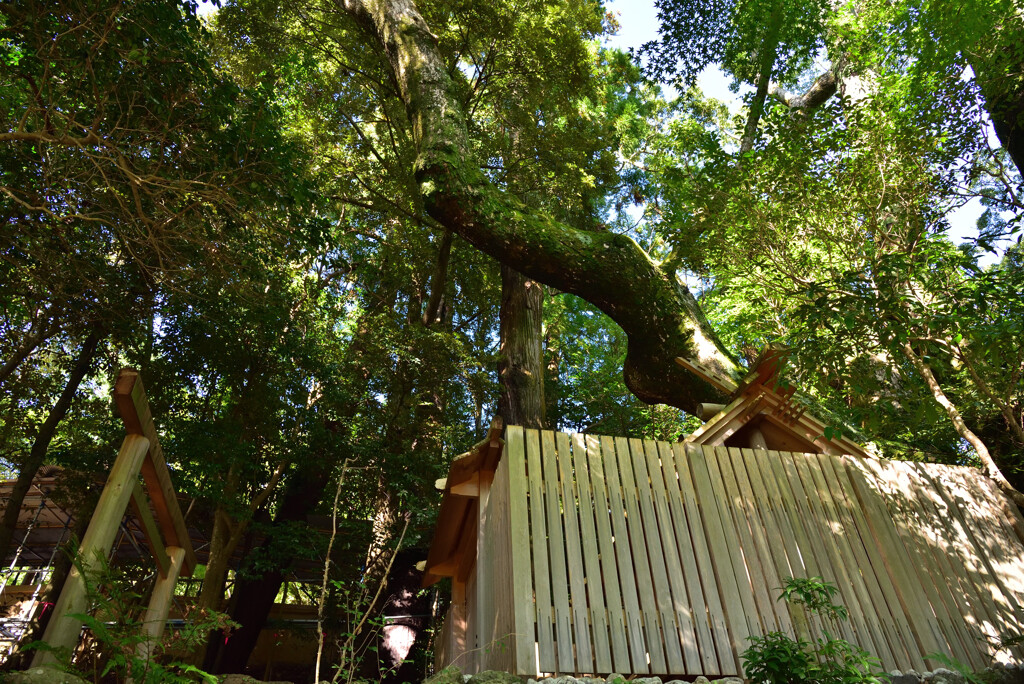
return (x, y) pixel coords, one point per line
(338, 238)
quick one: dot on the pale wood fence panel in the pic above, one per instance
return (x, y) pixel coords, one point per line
(496, 609)
(645, 557)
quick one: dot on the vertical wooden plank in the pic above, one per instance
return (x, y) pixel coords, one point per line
(992, 506)
(893, 555)
(472, 654)
(641, 559)
(763, 478)
(928, 631)
(725, 655)
(817, 530)
(609, 571)
(734, 547)
(556, 554)
(1001, 557)
(862, 611)
(484, 589)
(751, 560)
(891, 618)
(546, 658)
(774, 614)
(921, 535)
(658, 547)
(736, 614)
(498, 618)
(574, 556)
(985, 612)
(442, 651)
(588, 569)
(994, 606)
(461, 655)
(522, 570)
(701, 641)
(995, 506)
(776, 471)
(627, 575)
(754, 491)
(685, 633)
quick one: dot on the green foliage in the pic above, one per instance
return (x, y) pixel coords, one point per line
(814, 593)
(777, 658)
(115, 631)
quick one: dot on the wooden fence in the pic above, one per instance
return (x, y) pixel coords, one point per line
(601, 554)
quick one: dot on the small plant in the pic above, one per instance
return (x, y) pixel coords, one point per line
(777, 658)
(814, 593)
(116, 633)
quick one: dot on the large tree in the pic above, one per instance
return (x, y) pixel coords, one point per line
(657, 312)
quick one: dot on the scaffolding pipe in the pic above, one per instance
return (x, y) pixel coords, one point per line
(21, 546)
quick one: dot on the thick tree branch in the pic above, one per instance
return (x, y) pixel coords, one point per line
(980, 448)
(820, 91)
(90, 140)
(659, 315)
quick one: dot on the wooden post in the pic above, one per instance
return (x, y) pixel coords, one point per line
(160, 602)
(130, 396)
(484, 599)
(460, 642)
(63, 630)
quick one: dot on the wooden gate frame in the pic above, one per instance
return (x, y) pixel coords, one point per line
(166, 535)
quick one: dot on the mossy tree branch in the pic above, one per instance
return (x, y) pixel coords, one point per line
(658, 314)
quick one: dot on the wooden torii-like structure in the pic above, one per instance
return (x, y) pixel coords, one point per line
(154, 503)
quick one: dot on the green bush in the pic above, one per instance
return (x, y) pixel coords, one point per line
(778, 658)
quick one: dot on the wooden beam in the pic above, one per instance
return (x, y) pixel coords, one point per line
(140, 506)
(707, 411)
(470, 487)
(63, 630)
(160, 604)
(130, 396)
(715, 379)
(467, 545)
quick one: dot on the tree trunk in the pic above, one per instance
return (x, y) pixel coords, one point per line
(769, 53)
(253, 599)
(658, 314)
(999, 71)
(961, 427)
(406, 617)
(521, 364)
(45, 435)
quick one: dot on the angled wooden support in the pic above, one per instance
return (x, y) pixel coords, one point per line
(63, 630)
(140, 507)
(130, 396)
(160, 603)
(166, 534)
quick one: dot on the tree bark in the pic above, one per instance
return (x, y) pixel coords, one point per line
(821, 90)
(521, 366)
(45, 435)
(769, 53)
(999, 72)
(961, 427)
(253, 598)
(659, 315)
